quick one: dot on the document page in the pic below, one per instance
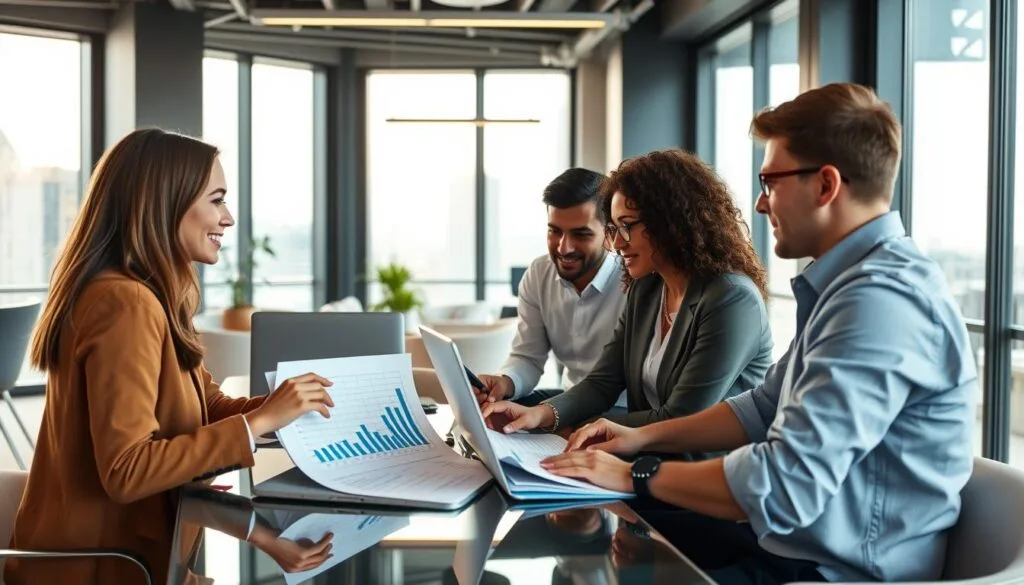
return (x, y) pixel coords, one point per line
(526, 450)
(377, 440)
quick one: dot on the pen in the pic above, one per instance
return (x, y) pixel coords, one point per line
(473, 380)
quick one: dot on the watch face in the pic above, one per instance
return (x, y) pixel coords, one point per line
(646, 465)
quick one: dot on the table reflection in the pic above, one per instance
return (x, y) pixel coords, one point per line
(490, 541)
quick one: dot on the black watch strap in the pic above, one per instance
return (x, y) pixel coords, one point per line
(643, 469)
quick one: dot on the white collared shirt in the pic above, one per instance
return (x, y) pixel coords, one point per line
(554, 317)
(656, 355)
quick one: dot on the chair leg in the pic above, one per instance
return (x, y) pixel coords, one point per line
(10, 443)
(10, 402)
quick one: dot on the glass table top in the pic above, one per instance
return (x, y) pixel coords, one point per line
(492, 540)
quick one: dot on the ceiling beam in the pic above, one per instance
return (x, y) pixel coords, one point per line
(241, 8)
(329, 5)
(525, 5)
(602, 5)
(555, 5)
(397, 39)
(187, 5)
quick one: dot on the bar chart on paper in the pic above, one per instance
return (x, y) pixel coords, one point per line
(401, 432)
(371, 420)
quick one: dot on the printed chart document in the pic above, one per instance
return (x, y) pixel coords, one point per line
(378, 441)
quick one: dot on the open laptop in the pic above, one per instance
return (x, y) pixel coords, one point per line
(283, 336)
(512, 462)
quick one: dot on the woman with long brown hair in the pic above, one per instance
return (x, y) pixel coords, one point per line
(130, 411)
(695, 329)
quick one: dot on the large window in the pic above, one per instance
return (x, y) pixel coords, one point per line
(220, 128)
(40, 157)
(949, 142)
(520, 159)
(733, 90)
(427, 124)
(421, 180)
(276, 151)
(41, 153)
(282, 184)
(734, 105)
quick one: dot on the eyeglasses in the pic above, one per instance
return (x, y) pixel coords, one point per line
(765, 178)
(622, 230)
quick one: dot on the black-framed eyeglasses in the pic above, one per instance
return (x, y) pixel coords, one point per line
(766, 178)
(623, 230)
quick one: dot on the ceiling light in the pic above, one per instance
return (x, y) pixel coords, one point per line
(434, 18)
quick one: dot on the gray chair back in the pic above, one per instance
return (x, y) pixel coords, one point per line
(16, 323)
(987, 543)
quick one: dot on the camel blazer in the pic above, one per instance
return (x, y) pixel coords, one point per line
(123, 426)
(719, 346)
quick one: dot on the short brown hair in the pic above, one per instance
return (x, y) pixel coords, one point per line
(841, 124)
(689, 215)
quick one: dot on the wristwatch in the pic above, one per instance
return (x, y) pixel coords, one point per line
(642, 471)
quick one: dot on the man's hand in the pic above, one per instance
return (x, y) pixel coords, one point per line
(496, 388)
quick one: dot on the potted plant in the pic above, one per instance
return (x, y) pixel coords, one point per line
(238, 317)
(393, 279)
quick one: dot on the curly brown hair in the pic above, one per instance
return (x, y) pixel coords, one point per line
(688, 214)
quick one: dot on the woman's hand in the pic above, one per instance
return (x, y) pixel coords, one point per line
(293, 556)
(509, 417)
(599, 468)
(604, 435)
(292, 399)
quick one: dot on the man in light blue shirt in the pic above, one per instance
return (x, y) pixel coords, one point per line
(570, 300)
(852, 453)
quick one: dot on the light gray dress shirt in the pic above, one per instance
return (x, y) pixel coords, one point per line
(554, 317)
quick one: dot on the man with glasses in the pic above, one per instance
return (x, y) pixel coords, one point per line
(569, 300)
(849, 459)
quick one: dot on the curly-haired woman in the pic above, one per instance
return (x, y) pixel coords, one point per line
(695, 329)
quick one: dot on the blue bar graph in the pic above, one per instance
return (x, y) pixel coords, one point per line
(397, 430)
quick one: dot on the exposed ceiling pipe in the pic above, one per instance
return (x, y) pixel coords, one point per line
(241, 8)
(329, 5)
(569, 55)
(336, 36)
(223, 18)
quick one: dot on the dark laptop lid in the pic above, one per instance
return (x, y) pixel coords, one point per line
(286, 336)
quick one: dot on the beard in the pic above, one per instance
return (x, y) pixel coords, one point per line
(586, 264)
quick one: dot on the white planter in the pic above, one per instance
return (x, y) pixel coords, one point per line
(412, 321)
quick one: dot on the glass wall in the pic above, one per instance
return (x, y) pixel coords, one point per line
(220, 127)
(277, 151)
(282, 184)
(520, 159)
(41, 153)
(738, 89)
(425, 121)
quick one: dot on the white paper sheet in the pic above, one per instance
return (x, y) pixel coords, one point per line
(378, 440)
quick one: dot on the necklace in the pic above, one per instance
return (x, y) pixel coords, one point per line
(664, 306)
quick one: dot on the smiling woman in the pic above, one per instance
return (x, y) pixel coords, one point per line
(131, 413)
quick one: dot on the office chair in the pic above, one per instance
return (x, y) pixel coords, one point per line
(12, 486)
(16, 323)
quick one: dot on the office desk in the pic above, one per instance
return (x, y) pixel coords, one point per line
(487, 542)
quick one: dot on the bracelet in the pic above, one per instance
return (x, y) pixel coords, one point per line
(554, 410)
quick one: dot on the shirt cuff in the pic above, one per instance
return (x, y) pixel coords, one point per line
(744, 475)
(745, 409)
(252, 442)
(517, 383)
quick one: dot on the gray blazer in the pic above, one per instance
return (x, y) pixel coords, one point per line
(720, 347)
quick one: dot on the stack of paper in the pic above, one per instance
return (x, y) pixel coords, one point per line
(377, 441)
